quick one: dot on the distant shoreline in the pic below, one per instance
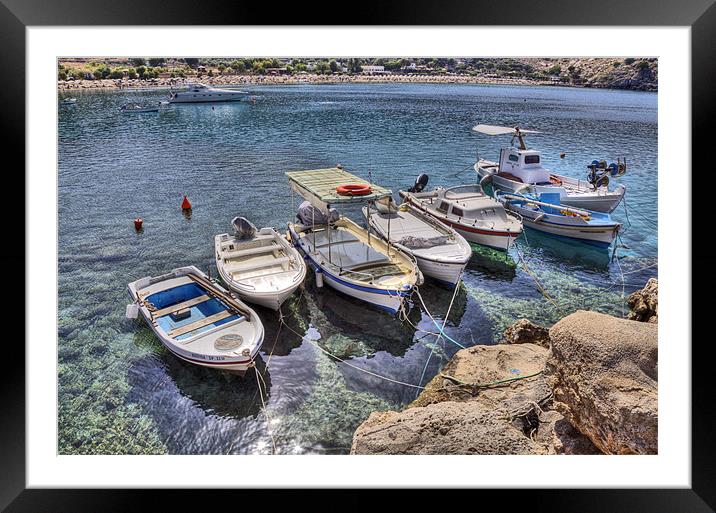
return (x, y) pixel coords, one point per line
(311, 79)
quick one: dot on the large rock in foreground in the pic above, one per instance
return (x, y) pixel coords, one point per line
(442, 428)
(455, 416)
(644, 303)
(604, 374)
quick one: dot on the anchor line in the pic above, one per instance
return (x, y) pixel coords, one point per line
(386, 378)
(440, 336)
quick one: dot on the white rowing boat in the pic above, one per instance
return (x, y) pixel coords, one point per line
(197, 320)
(439, 250)
(260, 266)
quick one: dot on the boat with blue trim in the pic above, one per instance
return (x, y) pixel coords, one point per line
(545, 213)
(342, 254)
(197, 320)
(520, 169)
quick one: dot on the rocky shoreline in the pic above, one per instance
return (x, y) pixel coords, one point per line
(588, 385)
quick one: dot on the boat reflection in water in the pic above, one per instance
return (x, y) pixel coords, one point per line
(349, 327)
(492, 264)
(198, 410)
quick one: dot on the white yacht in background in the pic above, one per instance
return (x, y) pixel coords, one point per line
(201, 93)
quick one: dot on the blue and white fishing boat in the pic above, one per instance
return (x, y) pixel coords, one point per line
(198, 320)
(545, 213)
(342, 254)
(520, 170)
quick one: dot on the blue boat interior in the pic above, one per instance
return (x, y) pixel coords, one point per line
(180, 294)
(553, 198)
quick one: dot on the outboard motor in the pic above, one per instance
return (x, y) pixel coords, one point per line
(308, 214)
(420, 183)
(243, 228)
(598, 174)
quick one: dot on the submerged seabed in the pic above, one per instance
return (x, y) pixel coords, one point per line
(119, 390)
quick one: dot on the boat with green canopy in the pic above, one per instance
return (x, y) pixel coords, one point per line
(343, 254)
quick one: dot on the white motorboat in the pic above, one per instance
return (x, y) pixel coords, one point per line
(342, 254)
(260, 266)
(547, 214)
(439, 250)
(200, 93)
(197, 320)
(68, 101)
(520, 170)
(469, 211)
(136, 108)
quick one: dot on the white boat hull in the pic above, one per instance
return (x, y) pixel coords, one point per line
(575, 196)
(574, 228)
(444, 262)
(188, 349)
(272, 300)
(495, 239)
(271, 289)
(444, 272)
(384, 299)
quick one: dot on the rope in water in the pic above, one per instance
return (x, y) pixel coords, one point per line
(534, 277)
(417, 292)
(638, 214)
(265, 411)
(437, 341)
(386, 378)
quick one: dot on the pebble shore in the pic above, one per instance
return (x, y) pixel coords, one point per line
(238, 80)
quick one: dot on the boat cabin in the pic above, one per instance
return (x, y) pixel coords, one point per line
(469, 202)
(523, 166)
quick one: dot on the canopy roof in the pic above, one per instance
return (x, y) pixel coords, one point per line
(319, 186)
(501, 130)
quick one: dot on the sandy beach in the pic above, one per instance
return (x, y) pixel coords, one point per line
(249, 80)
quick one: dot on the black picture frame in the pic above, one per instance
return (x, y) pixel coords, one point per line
(16, 15)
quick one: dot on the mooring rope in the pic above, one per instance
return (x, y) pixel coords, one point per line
(435, 322)
(386, 378)
(264, 409)
(440, 336)
(534, 277)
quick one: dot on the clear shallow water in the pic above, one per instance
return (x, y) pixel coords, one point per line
(121, 392)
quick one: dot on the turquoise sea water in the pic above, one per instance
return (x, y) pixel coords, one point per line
(120, 391)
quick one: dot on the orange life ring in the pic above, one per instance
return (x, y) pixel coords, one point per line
(354, 189)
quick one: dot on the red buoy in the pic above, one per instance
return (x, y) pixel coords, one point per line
(186, 204)
(138, 223)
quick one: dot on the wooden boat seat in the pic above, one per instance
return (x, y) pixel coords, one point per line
(200, 323)
(250, 251)
(233, 242)
(252, 266)
(181, 306)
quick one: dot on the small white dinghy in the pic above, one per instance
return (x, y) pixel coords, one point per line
(198, 320)
(439, 250)
(466, 208)
(260, 266)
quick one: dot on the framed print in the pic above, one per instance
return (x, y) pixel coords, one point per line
(338, 256)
